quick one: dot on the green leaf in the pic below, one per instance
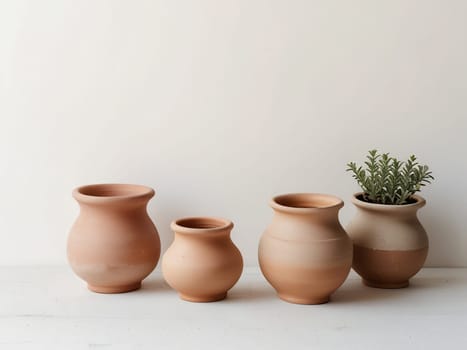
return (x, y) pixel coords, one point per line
(386, 180)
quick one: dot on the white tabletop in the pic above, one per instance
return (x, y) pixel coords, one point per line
(49, 308)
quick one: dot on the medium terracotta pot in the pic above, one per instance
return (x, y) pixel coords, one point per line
(305, 253)
(202, 263)
(390, 244)
(113, 244)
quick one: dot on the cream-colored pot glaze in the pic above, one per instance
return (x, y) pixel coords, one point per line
(305, 253)
(390, 244)
(202, 263)
(113, 244)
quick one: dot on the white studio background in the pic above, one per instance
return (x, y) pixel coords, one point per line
(219, 105)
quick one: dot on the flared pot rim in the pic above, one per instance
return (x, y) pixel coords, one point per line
(305, 202)
(110, 192)
(419, 202)
(201, 224)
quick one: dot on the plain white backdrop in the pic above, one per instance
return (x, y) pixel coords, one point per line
(219, 105)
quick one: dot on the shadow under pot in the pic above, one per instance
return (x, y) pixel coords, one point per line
(202, 263)
(390, 244)
(305, 253)
(113, 244)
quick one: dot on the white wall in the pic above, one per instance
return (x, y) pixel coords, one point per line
(219, 105)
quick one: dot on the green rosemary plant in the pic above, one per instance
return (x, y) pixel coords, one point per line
(387, 180)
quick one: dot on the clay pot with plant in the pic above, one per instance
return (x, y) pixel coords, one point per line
(390, 244)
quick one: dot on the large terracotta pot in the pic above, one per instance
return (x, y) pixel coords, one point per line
(390, 244)
(305, 253)
(202, 263)
(113, 244)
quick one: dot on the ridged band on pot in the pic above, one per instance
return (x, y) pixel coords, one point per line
(113, 244)
(305, 254)
(202, 263)
(390, 244)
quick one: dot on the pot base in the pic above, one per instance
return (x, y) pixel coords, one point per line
(204, 299)
(388, 269)
(383, 285)
(303, 301)
(114, 289)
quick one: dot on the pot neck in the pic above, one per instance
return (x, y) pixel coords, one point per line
(318, 206)
(319, 215)
(113, 195)
(388, 208)
(203, 235)
(196, 227)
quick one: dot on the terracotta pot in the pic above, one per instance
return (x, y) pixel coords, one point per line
(113, 244)
(305, 253)
(390, 244)
(202, 263)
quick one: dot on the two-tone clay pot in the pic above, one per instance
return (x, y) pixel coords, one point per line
(113, 244)
(390, 244)
(202, 263)
(305, 253)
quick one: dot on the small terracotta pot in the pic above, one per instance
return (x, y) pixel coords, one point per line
(390, 244)
(202, 263)
(113, 244)
(305, 253)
